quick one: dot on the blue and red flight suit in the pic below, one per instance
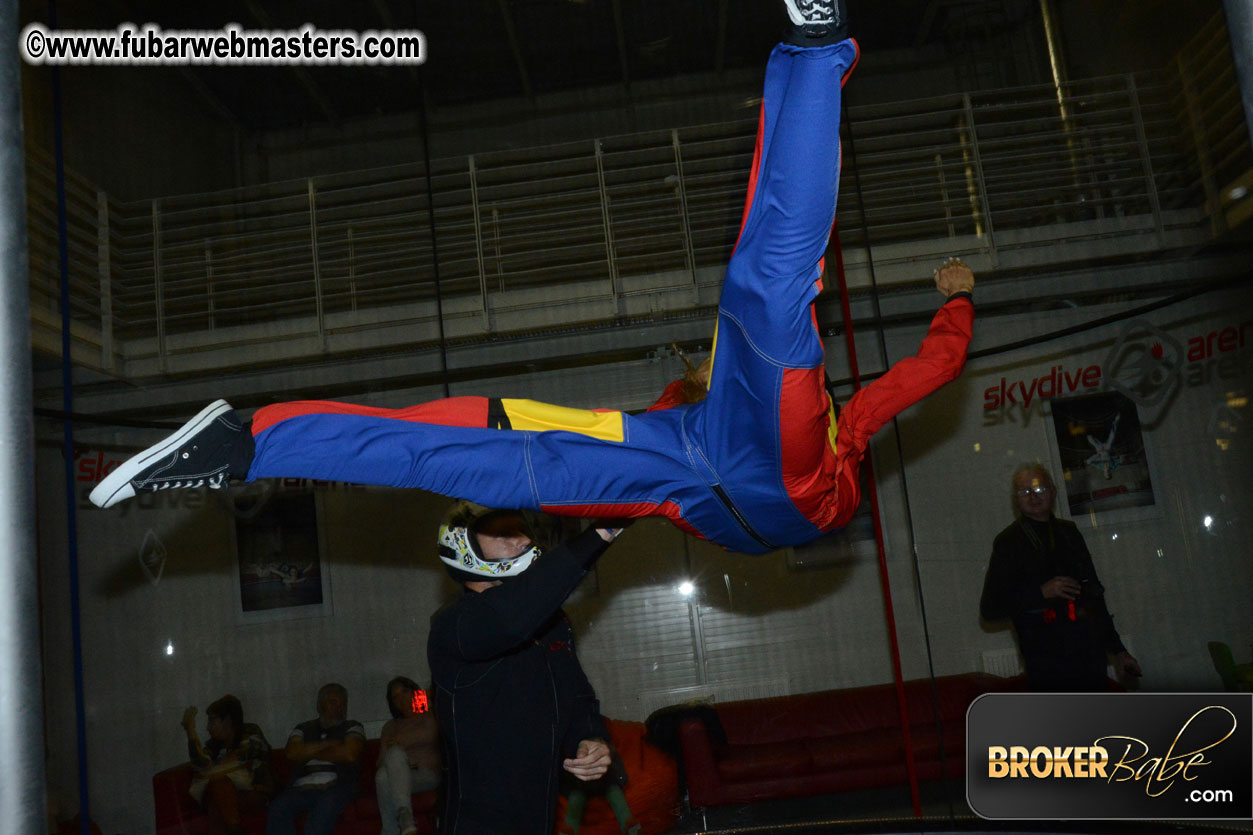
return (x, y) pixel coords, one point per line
(757, 465)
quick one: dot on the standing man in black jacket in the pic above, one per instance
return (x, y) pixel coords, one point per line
(513, 703)
(1042, 578)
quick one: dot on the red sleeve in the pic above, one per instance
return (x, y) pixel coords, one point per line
(671, 397)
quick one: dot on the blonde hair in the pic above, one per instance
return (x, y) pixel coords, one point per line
(1021, 470)
(695, 378)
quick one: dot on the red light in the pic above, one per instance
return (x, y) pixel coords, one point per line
(420, 704)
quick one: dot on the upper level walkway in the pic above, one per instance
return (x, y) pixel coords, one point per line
(634, 230)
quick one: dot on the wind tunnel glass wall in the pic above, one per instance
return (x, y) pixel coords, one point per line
(585, 271)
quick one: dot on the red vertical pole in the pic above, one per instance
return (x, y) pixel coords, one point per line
(873, 492)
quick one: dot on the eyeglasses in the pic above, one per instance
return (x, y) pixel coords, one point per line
(1038, 490)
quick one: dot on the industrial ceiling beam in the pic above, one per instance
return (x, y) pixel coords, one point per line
(926, 22)
(622, 44)
(306, 82)
(720, 47)
(215, 103)
(385, 17)
(516, 46)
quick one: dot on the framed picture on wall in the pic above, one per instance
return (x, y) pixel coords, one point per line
(280, 565)
(1106, 472)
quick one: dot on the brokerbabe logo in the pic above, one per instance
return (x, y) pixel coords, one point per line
(1110, 755)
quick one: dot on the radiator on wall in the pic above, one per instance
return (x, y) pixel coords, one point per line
(1002, 662)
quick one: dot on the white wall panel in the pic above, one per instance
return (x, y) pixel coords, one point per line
(1173, 584)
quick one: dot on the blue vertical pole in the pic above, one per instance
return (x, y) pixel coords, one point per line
(67, 406)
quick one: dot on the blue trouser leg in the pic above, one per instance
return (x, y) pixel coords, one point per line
(771, 278)
(323, 805)
(329, 806)
(281, 816)
(496, 467)
(768, 359)
(563, 472)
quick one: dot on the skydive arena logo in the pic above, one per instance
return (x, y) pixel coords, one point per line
(1110, 756)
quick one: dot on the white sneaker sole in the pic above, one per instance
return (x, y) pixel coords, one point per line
(116, 487)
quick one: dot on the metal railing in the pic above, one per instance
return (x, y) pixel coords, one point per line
(339, 248)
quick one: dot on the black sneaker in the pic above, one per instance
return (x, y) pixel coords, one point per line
(196, 455)
(819, 20)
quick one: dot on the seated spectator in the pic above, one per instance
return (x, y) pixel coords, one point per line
(326, 752)
(232, 770)
(409, 756)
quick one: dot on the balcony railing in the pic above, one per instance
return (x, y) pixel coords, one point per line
(1129, 155)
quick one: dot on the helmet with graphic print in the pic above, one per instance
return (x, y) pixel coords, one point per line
(459, 548)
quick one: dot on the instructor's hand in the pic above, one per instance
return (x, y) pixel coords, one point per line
(1127, 666)
(591, 761)
(1064, 587)
(954, 276)
(611, 529)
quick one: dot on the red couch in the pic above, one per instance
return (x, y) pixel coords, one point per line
(178, 814)
(833, 741)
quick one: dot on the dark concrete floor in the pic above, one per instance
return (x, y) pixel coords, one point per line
(890, 810)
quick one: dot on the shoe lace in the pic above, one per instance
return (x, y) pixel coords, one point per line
(817, 9)
(214, 482)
